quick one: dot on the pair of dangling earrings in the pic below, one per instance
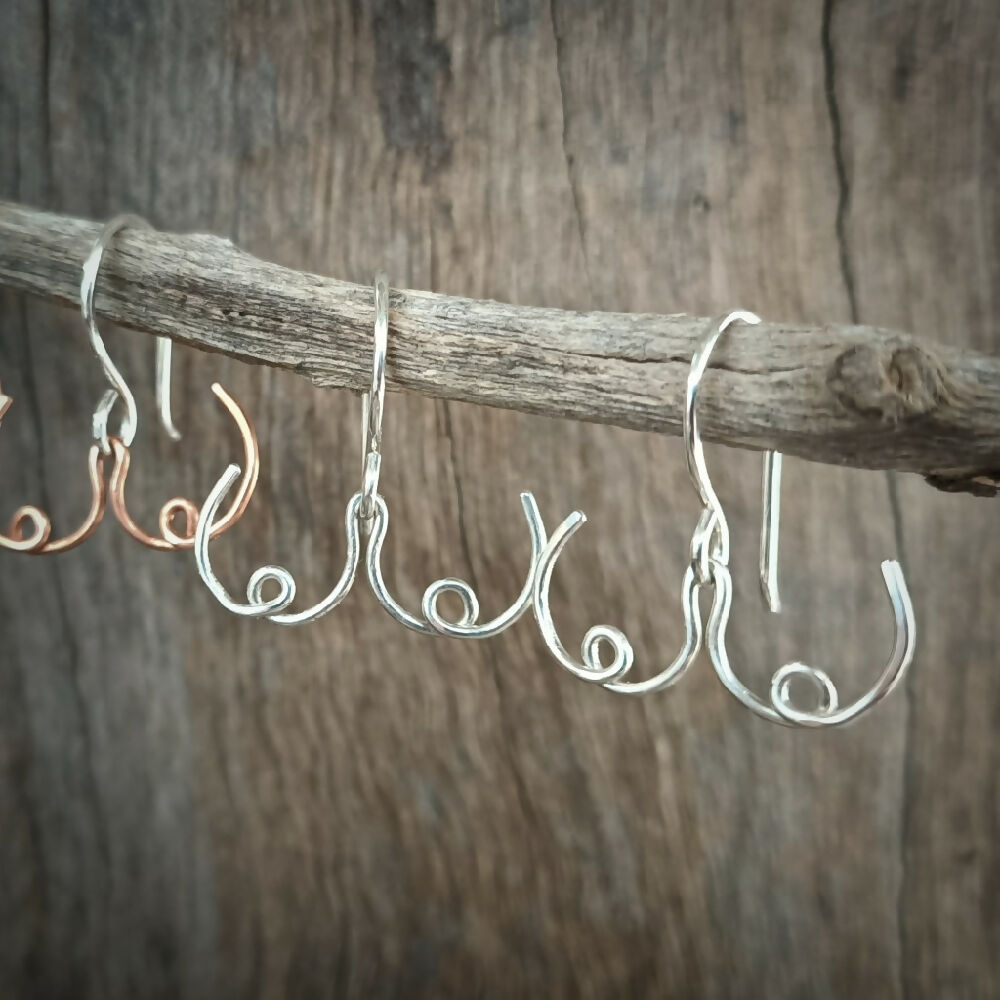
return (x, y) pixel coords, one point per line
(367, 515)
(30, 529)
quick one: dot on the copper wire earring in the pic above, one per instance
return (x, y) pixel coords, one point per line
(39, 540)
(172, 536)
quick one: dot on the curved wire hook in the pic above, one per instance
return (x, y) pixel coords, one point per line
(164, 346)
(171, 538)
(780, 710)
(433, 623)
(257, 605)
(39, 541)
(829, 713)
(164, 364)
(591, 667)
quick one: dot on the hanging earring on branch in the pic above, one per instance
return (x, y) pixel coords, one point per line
(780, 710)
(610, 675)
(360, 511)
(375, 521)
(172, 536)
(366, 514)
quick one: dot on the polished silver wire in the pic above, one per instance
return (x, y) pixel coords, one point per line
(710, 541)
(164, 347)
(591, 667)
(273, 608)
(257, 605)
(433, 622)
(164, 364)
(828, 711)
(374, 517)
(770, 529)
(88, 286)
(373, 406)
(715, 549)
(101, 417)
(694, 449)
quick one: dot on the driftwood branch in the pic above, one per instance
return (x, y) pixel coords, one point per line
(844, 395)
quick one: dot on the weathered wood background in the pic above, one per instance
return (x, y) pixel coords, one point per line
(197, 806)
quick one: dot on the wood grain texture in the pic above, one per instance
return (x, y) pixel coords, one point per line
(197, 806)
(846, 395)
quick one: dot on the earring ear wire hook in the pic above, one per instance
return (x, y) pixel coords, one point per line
(164, 346)
(373, 406)
(164, 364)
(770, 529)
(780, 710)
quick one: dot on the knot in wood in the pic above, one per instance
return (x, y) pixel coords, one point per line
(889, 383)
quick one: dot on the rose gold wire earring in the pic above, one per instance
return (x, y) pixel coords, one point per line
(172, 536)
(39, 542)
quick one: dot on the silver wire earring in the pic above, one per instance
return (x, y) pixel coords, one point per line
(709, 566)
(257, 605)
(374, 514)
(273, 608)
(591, 667)
(715, 555)
(366, 514)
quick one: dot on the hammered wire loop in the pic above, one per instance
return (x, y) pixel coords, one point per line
(781, 708)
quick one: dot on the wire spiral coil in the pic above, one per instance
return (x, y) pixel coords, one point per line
(433, 622)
